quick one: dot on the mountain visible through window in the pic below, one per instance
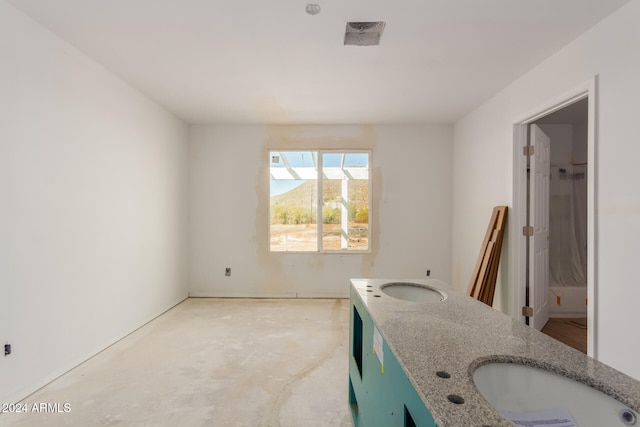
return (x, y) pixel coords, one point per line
(319, 201)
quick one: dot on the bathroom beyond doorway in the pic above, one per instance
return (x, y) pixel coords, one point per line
(572, 332)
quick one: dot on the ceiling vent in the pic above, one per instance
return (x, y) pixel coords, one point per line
(363, 33)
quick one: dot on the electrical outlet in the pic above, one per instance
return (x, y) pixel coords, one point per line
(227, 271)
(428, 273)
(7, 349)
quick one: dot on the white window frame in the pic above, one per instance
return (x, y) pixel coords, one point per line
(319, 203)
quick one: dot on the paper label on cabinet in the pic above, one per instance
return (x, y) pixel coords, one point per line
(377, 346)
(558, 417)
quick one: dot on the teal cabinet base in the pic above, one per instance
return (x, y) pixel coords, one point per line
(380, 394)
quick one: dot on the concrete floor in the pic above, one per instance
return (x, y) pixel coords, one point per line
(213, 362)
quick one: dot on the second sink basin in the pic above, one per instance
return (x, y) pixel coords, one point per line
(413, 292)
(530, 394)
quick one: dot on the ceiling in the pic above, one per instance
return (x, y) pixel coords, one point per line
(257, 61)
(572, 114)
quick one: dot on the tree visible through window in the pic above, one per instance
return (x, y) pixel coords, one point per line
(319, 201)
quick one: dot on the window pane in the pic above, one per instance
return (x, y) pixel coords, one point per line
(293, 201)
(345, 201)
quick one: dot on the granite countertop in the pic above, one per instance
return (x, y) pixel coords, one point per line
(460, 334)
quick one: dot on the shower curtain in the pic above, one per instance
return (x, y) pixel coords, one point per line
(568, 226)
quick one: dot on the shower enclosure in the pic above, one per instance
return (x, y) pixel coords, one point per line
(568, 241)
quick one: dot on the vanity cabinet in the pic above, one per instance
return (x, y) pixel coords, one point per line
(418, 361)
(380, 393)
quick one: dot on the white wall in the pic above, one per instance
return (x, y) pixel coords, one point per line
(92, 207)
(411, 209)
(561, 137)
(579, 146)
(482, 158)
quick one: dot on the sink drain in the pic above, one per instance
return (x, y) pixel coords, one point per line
(628, 417)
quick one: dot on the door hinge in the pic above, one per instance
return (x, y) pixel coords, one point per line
(528, 150)
(527, 230)
(527, 311)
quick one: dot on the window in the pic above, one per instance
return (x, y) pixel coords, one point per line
(319, 201)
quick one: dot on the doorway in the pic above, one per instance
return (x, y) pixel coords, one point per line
(555, 284)
(567, 240)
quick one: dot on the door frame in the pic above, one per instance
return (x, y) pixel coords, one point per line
(518, 217)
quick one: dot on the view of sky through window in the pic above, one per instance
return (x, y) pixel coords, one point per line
(302, 218)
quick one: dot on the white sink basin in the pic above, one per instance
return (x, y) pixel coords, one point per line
(526, 394)
(414, 292)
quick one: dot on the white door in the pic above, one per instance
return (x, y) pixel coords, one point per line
(540, 163)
